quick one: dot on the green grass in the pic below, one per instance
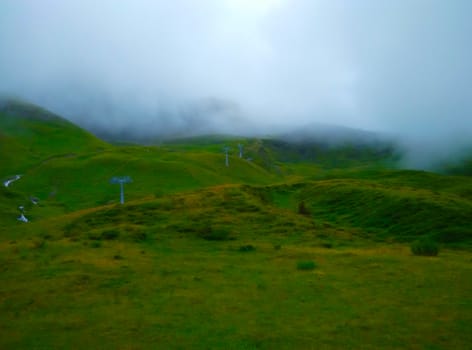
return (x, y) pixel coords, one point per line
(182, 292)
(203, 256)
(387, 209)
(306, 265)
(30, 135)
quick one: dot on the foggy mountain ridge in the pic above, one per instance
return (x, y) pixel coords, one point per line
(198, 123)
(142, 68)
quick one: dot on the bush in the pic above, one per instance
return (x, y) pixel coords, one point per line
(211, 234)
(138, 236)
(96, 244)
(302, 209)
(247, 248)
(425, 247)
(306, 265)
(327, 245)
(110, 234)
(94, 236)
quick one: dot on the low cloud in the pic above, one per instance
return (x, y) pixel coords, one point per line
(169, 67)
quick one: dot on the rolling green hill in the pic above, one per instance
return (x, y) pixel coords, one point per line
(347, 185)
(68, 169)
(295, 245)
(30, 135)
(388, 210)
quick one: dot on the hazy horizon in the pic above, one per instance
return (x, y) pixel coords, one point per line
(402, 68)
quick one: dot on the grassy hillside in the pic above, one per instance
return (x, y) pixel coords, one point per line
(69, 169)
(223, 268)
(83, 181)
(300, 246)
(462, 167)
(30, 134)
(297, 159)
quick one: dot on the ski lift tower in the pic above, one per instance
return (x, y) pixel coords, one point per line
(241, 148)
(226, 150)
(121, 180)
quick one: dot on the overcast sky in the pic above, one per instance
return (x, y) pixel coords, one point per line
(397, 66)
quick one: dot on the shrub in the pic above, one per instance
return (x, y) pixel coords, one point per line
(96, 244)
(277, 246)
(425, 247)
(110, 234)
(302, 209)
(327, 245)
(138, 236)
(247, 248)
(211, 234)
(306, 265)
(94, 236)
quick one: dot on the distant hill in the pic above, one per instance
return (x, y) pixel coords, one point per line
(327, 147)
(30, 134)
(68, 168)
(459, 167)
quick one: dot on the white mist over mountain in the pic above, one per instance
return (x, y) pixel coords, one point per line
(180, 66)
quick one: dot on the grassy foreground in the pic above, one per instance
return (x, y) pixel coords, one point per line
(181, 292)
(220, 268)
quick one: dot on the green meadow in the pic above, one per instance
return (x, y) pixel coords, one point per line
(290, 247)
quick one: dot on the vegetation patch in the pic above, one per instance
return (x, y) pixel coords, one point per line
(210, 233)
(425, 247)
(306, 265)
(110, 234)
(302, 209)
(247, 248)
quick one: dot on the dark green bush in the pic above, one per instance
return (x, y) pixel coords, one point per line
(214, 234)
(306, 265)
(247, 248)
(94, 236)
(327, 245)
(110, 234)
(96, 244)
(138, 236)
(302, 209)
(425, 247)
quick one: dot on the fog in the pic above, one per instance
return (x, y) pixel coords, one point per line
(247, 66)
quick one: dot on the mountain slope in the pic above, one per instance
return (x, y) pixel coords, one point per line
(30, 134)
